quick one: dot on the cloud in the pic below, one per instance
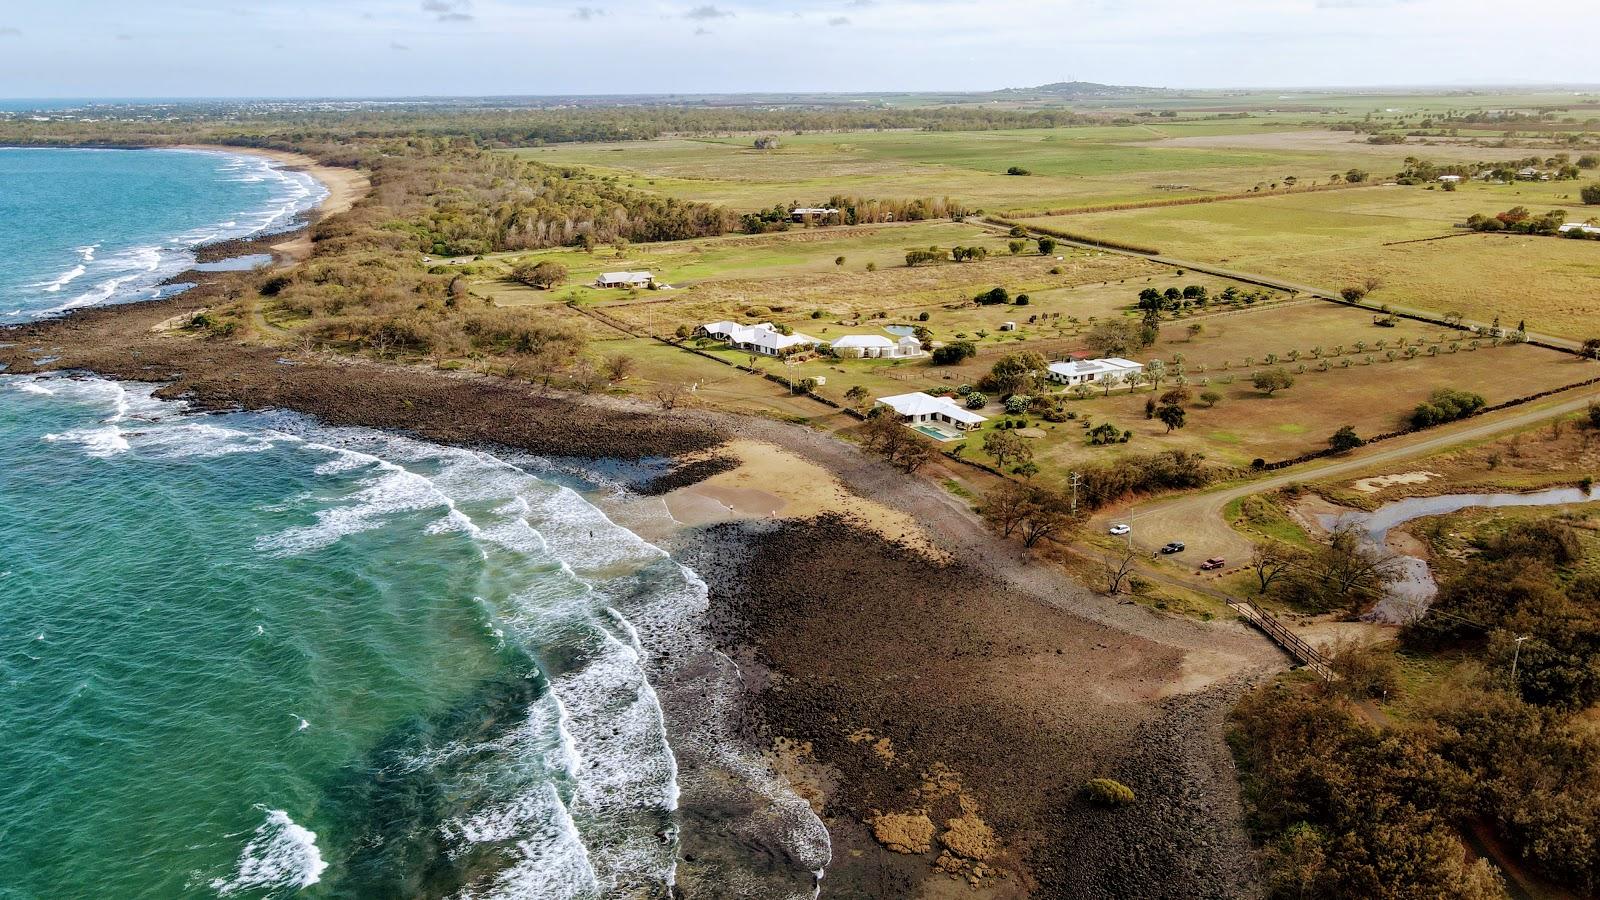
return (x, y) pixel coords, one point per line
(836, 21)
(585, 13)
(8, 31)
(449, 10)
(701, 32)
(859, 3)
(124, 37)
(706, 12)
(396, 45)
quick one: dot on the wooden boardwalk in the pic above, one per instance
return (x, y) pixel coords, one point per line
(1293, 644)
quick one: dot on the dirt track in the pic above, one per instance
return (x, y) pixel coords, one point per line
(1197, 519)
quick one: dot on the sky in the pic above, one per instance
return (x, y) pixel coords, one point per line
(375, 48)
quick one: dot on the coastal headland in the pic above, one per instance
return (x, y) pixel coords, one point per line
(902, 664)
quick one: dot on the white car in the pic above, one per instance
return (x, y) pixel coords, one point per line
(1120, 529)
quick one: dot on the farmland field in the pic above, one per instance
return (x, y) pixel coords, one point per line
(1335, 239)
(1084, 166)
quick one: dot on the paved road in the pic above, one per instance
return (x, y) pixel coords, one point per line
(1197, 520)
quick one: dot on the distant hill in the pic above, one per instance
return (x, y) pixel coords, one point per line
(1089, 90)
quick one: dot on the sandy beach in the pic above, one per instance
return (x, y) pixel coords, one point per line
(344, 186)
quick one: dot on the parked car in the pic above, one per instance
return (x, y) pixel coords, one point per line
(1120, 528)
(1174, 547)
(1215, 562)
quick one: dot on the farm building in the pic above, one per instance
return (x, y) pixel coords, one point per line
(1088, 371)
(1580, 227)
(918, 408)
(874, 346)
(1532, 174)
(803, 213)
(763, 338)
(1450, 179)
(625, 280)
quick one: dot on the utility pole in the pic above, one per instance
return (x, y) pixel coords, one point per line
(1515, 654)
(1074, 481)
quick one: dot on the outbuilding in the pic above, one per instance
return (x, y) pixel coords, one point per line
(625, 280)
(876, 346)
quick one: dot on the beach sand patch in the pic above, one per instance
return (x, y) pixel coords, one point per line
(1378, 482)
(771, 482)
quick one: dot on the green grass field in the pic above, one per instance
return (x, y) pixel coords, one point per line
(1335, 239)
(1072, 167)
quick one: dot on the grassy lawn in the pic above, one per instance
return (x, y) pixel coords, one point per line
(1339, 238)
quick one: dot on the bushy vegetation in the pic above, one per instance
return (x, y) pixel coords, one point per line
(366, 286)
(1446, 405)
(1168, 470)
(1108, 792)
(1347, 809)
(1518, 220)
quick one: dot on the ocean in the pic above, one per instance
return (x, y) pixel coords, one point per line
(84, 227)
(249, 655)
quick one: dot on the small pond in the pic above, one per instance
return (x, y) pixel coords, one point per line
(900, 330)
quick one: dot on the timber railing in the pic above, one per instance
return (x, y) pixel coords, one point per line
(1293, 644)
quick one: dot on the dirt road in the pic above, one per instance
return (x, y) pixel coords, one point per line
(1197, 519)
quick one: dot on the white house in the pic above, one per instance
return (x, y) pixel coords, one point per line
(1088, 371)
(1532, 174)
(1579, 226)
(1449, 179)
(624, 279)
(764, 338)
(920, 407)
(802, 213)
(876, 346)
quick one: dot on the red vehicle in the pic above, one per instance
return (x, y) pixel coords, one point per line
(1215, 562)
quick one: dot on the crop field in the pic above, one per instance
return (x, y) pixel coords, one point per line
(1335, 239)
(1084, 166)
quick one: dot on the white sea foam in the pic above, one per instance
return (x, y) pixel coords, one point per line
(137, 272)
(280, 854)
(62, 280)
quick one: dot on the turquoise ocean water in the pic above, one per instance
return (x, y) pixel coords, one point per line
(247, 655)
(94, 226)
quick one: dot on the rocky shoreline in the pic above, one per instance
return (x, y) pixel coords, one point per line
(975, 690)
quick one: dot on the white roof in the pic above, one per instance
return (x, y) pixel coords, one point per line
(920, 404)
(1579, 226)
(813, 211)
(1077, 367)
(626, 277)
(763, 334)
(862, 340)
(1449, 177)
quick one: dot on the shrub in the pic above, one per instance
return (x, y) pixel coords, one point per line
(1108, 792)
(543, 274)
(922, 316)
(953, 353)
(1590, 193)
(1446, 405)
(1018, 170)
(1270, 381)
(1016, 404)
(976, 400)
(1345, 439)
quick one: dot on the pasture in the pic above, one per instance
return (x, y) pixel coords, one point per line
(1335, 239)
(1071, 167)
